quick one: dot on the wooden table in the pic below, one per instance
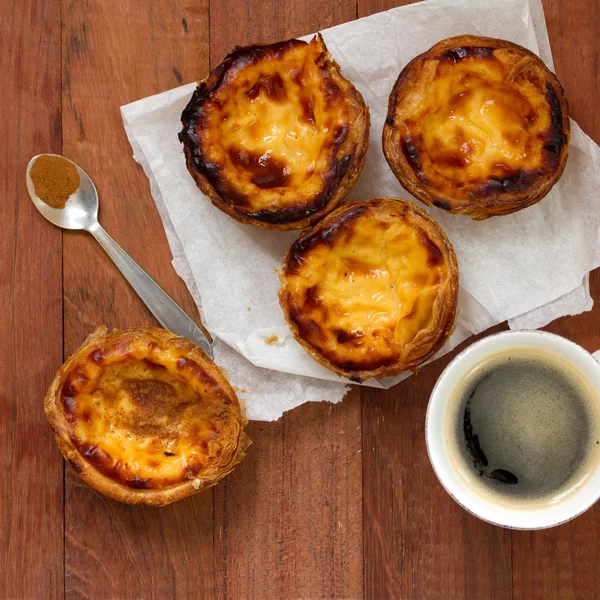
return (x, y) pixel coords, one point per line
(333, 501)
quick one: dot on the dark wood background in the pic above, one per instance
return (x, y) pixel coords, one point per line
(333, 501)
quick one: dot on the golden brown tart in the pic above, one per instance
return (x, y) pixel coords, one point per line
(372, 289)
(477, 126)
(275, 136)
(145, 417)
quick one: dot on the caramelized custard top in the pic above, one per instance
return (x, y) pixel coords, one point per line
(372, 286)
(477, 122)
(269, 130)
(147, 416)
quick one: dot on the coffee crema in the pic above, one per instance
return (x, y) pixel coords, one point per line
(522, 427)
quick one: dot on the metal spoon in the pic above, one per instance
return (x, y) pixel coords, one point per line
(81, 212)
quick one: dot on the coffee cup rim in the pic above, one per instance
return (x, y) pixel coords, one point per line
(504, 516)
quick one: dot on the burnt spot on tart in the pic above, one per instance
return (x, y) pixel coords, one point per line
(477, 126)
(556, 139)
(371, 289)
(275, 136)
(461, 53)
(270, 85)
(326, 234)
(145, 410)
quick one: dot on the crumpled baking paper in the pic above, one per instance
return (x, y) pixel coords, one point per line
(530, 267)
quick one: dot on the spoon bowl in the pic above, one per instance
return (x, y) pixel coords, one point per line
(81, 212)
(81, 209)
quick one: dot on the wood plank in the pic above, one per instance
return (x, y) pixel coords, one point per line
(418, 542)
(31, 468)
(564, 562)
(114, 53)
(234, 23)
(288, 524)
(370, 7)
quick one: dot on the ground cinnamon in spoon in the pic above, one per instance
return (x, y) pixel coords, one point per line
(54, 179)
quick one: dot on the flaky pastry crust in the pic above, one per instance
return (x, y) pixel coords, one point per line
(143, 416)
(276, 136)
(372, 289)
(477, 126)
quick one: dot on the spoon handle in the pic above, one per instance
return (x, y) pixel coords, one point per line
(167, 312)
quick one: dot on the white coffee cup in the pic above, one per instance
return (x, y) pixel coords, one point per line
(514, 517)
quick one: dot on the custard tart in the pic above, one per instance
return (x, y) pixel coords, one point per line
(276, 136)
(372, 289)
(145, 417)
(477, 126)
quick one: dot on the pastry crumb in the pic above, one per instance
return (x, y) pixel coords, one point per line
(271, 340)
(196, 484)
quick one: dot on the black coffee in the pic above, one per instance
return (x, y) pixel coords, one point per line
(524, 426)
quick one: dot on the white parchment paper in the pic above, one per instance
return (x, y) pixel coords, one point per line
(530, 267)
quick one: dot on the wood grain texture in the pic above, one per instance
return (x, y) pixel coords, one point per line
(114, 53)
(564, 562)
(31, 469)
(369, 7)
(574, 30)
(289, 523)
(235, 23)
(418, 543)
